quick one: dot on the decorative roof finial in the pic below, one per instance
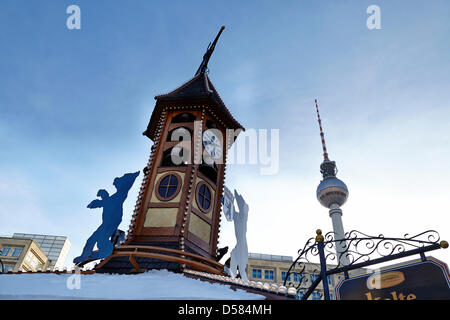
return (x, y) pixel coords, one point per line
(204, 65)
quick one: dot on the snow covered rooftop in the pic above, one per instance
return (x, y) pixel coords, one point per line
(154, 284)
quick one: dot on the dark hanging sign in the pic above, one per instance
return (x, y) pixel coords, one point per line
(414, 280)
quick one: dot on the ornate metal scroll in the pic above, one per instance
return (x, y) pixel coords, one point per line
(357, 250)
(303, 268)
(360, 247)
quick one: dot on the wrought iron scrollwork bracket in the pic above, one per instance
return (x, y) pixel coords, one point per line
(356, 250)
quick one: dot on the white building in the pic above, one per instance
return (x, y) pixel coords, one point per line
(271, 268)
(55, 247)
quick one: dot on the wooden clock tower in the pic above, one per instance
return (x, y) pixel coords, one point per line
(176, 220)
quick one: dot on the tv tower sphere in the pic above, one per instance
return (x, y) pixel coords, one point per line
(330, 191)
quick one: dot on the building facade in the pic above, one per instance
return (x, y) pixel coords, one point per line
(55, 248)
(22, 255)
(274, 268)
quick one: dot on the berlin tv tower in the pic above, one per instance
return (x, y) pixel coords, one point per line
(332, 193)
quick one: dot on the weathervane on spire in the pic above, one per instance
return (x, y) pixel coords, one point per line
(204, 65)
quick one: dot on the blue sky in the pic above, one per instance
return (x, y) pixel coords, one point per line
(73, 105)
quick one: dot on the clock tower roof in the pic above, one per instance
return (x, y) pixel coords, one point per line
(197, 91)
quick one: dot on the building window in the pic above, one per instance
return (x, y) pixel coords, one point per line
(300, 295)
(34, 262)
(8, 267)
(297, 277)
(268, 274)
(168, 187)
(283, 276)
(5, 251)
(17, 252)
(313, 277)
(256, 273)
(330, 282)
(203, 197)
(316, 295)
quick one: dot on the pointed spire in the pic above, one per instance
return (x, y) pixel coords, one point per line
(327, 168)
(204, 65)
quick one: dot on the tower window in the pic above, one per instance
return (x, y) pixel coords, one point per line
(175, 156)
(204, 197)
(210, 171)
(183, 117)
(179, 134)
(168, 187)
(210, 124)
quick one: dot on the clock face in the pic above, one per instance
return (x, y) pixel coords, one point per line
(212, 144)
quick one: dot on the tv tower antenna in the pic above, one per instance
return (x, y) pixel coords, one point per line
(327, 168)
(324, 147)
(332, 193)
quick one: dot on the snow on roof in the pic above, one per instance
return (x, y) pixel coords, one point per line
(152, 285)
